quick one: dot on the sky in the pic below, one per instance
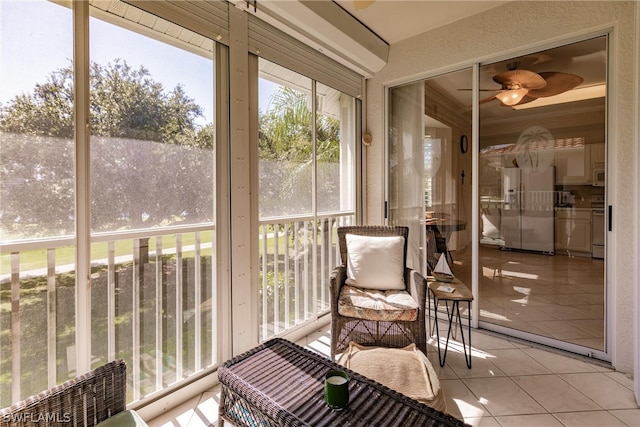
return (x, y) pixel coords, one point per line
(36, 38)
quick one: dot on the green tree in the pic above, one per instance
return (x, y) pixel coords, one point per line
(286, 154)
(151, 163)
(124, 103)
(47, 111)
(286, 129)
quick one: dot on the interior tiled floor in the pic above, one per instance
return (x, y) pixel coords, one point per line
(509, 384)
(560, 296)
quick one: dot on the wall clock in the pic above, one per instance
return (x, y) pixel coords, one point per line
(464, 143)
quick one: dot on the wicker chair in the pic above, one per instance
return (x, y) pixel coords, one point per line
(86, 400)
(374, 332)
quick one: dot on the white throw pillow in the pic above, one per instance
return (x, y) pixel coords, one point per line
(491, 226)
(375, 262)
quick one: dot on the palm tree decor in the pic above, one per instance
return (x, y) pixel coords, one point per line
(534, 149)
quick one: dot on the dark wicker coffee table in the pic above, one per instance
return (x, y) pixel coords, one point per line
(281, 384)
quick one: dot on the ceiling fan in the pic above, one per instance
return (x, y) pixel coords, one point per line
(520, 86)
(362, 4)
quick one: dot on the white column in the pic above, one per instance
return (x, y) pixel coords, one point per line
(244, 320)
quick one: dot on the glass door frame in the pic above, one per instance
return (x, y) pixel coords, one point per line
(603, 355)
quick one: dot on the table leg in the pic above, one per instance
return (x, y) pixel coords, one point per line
(442, 356)
(453, 315)
(435, 317)
(429, 313)
(469, 326)
(467, 359)
(450, 315)
(221, 408)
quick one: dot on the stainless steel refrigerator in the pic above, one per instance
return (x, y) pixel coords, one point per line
(528, 213)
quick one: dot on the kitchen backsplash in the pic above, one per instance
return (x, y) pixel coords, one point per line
(582, 194)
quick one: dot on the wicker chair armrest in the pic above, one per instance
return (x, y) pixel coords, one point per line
(417, 287)
(336, 282)
(85, 400)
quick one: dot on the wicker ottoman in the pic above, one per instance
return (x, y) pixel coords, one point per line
(281, 384)
(405, 370)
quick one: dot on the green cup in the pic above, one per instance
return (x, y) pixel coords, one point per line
(336, 389)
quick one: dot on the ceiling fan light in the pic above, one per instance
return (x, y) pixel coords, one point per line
(512, 96)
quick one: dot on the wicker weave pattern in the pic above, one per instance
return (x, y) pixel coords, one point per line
(281, 384)
(83, 401)
(369, 332)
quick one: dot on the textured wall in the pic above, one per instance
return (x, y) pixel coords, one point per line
(498, 34)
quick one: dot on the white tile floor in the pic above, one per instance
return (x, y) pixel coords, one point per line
(560, 297)
(509, 384)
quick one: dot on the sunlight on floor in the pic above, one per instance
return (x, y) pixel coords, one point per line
(519, 275)
(495, 316)
(510, 383)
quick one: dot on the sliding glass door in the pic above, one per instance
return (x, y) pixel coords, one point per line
(540, 182)
(430, 171)
(542, 187)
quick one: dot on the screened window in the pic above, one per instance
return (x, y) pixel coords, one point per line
(152, 200)
(37, 191)
(306, 183)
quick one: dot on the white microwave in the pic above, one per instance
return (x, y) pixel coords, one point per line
(598, 175)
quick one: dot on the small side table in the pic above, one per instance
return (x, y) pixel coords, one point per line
(460, 293)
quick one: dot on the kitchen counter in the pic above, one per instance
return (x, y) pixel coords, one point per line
(573, 208)
(573, 229)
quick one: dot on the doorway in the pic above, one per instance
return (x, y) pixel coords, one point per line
(540, 187)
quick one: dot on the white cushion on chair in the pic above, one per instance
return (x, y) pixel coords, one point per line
(375, 262)
(381, 306)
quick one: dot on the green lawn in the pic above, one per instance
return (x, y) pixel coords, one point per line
(37, 259)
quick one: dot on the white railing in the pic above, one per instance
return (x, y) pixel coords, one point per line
(296, 256)
(153, 300)
(153, 304)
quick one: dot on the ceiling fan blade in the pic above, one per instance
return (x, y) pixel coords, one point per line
(480, 102)
(534, 59)
(557, 83)
(483, 90)
(522, 78)
(362, 4)
(487, 99)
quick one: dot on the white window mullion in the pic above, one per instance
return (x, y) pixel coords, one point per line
(475, 194)
(314, 199)
(82, 188)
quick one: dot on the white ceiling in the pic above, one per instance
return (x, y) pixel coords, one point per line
(396, 20)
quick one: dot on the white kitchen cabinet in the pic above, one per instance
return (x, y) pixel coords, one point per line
(573, 166)
(573, 230)
(597, 152)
